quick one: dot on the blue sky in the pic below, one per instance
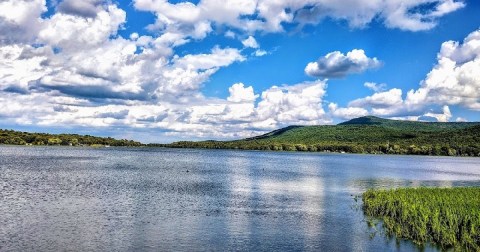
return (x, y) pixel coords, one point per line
(161, 71)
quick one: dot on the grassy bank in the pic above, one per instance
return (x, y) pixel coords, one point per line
(449, 217)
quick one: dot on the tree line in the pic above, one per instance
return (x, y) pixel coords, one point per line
(423, 139)
(12, 137)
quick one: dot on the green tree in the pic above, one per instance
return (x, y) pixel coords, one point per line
(74, 141)
(54, 141)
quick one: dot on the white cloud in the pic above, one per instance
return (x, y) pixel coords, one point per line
(260, 53)
(271, 15)
(19, 20)
(83, 74)
(186, 74)
(388, 104)
(455, 79)
(440, 117)
(240, 93)
(375, 86)
(22, 64)
(134, 36)
(408, 15)
(109, 68)
(346, 113)
(111, 85)
(390, 98)
(69, 32)
(112, 71)
(217, 58)
(84, 8)
(72, 68)
(190, 20)
(300, 103)
(230, 34)
(250, 42)
(337, 64)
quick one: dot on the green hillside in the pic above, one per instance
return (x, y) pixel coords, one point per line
(364, 135)
(409, 125)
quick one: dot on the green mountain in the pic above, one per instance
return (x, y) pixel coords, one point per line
(409, 125)
(364, 135)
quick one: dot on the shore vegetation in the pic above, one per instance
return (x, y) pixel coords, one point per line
(448, 217)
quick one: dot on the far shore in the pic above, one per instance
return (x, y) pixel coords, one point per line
(97, 146)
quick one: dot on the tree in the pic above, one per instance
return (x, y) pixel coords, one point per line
(74, 141)
(54, 141)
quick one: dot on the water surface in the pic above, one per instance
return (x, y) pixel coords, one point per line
(150, 199)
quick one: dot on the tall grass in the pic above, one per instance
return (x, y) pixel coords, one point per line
(449, 217)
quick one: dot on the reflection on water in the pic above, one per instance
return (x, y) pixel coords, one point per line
(122, 199)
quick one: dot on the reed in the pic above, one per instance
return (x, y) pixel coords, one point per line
(449, 217)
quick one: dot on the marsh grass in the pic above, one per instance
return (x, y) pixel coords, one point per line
(449, 217)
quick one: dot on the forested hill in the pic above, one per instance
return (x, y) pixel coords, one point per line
(364, 135)
(26, 138)
(409, 125)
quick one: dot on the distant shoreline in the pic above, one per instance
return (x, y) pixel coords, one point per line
(12, 137)
(232, 149)
(363, 135)
(307, 151)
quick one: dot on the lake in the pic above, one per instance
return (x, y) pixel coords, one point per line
(151, 199)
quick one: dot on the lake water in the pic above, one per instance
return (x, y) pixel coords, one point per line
(151, 199)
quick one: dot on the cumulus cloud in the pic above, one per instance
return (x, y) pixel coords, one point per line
(19, 20)
(444, 116)
(389, 104)
(236, 116)
(82, 73)
(383, 103)
(22, 64)
(454, 80)
(71, 32)
(301, 103)
(137, 83)
(412, 15)
(197, 20)
(73, 68)
(346, 113)
(89, 63)
(84, 8)
(187, 74)
(240, 93)
(217, 58)
(239, 117)
(390, 98)
(337, 64)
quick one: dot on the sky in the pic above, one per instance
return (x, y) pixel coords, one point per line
(163, 71)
